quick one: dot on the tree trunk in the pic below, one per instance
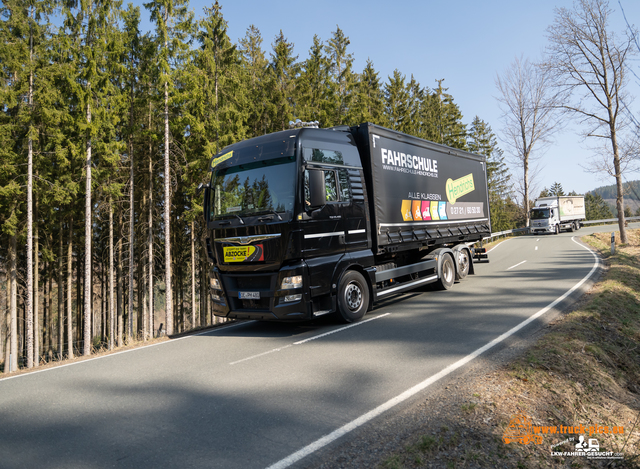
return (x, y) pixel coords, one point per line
(150, 238)
(120, 293)
(193, 275)
(69, 306)
(167, 218)
(88, 296)
(111, 293)
(131, 244)
(60, 297)
(13, 305)
(48, 324)
(619, 188)
(36, 290)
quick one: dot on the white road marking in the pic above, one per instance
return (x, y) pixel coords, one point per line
(217, 329)
(300, 342)
(340, 329)
(331, 437)
(537, 240)
(260, 354)
(500, 244)
(536, 248)
(513, 266)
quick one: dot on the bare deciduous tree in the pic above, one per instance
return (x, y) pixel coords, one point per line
(589, 63)
(528, 108)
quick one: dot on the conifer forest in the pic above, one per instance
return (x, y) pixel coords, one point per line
(106, 131)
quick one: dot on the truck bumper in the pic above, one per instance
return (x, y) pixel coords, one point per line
(255, 295)
(542, 229)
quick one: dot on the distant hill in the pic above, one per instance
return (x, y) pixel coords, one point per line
(631, 191)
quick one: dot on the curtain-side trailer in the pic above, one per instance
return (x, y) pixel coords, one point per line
(309, 221)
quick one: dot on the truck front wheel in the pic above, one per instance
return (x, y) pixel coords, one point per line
(353, 296)
(447, 273)
(557, 229)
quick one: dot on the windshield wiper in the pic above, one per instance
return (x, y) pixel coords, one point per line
(239, 218)
(271, 212)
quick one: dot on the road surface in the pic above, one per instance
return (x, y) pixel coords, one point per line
(257, 395)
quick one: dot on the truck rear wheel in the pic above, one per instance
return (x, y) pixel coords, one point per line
(557, 229)
(447, 273)
(353, 296)
(464, 260)
(572, 228)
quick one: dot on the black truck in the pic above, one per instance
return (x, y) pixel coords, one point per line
(309, 221)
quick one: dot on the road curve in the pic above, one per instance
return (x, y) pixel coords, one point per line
(255, 395)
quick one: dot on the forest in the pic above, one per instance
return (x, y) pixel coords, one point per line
(107, 131)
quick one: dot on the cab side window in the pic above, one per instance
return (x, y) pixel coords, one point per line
(334, 186)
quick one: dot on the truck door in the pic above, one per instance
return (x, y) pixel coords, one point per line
(323, 226)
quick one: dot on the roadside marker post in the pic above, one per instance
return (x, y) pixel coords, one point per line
(613, 242)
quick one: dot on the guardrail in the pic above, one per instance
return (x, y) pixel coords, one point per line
(589, 222)
(525, 230)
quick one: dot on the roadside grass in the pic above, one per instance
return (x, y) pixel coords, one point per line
(584, 371)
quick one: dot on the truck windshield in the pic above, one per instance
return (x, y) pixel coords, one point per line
(540, 214)
(255, 188)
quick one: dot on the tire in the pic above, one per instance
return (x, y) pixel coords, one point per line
(447, 273)
(353, 296)
(464, 261)
(557, 230)
(573, 227)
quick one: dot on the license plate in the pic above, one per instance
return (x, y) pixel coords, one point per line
(249, 295)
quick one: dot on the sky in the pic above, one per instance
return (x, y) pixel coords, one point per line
(466, 42)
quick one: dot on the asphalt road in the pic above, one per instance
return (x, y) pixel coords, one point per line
(254, 394)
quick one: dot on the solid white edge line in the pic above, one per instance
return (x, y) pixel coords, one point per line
(499, 244)
(327, 439)
(513, 266)
(171, 341)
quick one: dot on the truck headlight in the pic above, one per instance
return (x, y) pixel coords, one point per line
(215, 284)
(292, 282)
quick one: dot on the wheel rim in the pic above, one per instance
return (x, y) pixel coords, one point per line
(447, 272)
(353, 296)
(463, 262)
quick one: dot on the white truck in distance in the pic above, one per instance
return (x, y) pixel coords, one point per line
(553, 214)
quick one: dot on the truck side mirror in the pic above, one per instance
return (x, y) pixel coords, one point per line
(205, 202)
(317, 190)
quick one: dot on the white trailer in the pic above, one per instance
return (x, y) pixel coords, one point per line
(554, 214)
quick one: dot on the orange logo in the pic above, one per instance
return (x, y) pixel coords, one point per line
(520, 429)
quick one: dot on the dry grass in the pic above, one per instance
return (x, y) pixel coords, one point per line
(585, 370)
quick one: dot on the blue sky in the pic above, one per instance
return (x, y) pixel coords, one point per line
(465, 42)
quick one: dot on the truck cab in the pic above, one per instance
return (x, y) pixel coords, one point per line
(287, 213)
(555, 214)
(545, 217)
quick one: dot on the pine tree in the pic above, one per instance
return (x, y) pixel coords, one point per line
(482, 140)
(369, 97)
(342, 77)
(596, 208)
(396, 102)
(556, 189)
(283, 72)
(255, 67)
(314, 95)
(173, 26)
(445, 119)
